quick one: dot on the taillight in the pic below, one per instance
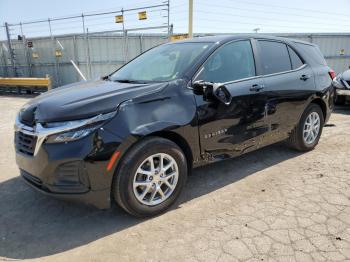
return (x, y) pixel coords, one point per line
(331, 73)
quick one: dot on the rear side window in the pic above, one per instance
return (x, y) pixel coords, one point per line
(275, 57)
(313, 52)
(294, 58)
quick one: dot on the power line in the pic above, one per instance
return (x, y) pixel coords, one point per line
(265, 18)
(250, 23)
(91, 14)
(235, 8)
(292, 8)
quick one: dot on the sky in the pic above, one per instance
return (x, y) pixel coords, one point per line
(210, 16)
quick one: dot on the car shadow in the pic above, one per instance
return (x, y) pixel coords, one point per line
(33, 225)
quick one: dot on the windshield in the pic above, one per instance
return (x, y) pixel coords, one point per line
(162, 63)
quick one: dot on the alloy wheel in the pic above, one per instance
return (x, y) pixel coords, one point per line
(311, 128)
(155, 179)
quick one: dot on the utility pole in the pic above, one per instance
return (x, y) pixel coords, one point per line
(88, 53)
(53, 43)
(87, 49)
(168, 19)
(25, 50)
(12, 54)
(190, 18)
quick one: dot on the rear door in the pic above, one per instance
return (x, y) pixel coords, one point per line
(227, 130)
(289, 82)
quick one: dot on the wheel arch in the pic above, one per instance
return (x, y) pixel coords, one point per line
(322, 105)
(180, 142)
(134, 141)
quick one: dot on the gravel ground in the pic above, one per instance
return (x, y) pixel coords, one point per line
(271, 205)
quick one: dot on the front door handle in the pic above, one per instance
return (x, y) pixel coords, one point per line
(304, 77)
(256, 87)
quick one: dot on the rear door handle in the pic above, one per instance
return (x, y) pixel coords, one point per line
(304, 77)
(256, 87)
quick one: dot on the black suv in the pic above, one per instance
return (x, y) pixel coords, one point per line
(134, 135)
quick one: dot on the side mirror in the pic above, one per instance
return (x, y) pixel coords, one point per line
(209, 90)
(200, 87)
(222, 94)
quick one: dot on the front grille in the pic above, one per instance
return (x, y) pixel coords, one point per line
(25, 143)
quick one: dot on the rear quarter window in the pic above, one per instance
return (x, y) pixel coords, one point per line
(312, 52)
(295, 59)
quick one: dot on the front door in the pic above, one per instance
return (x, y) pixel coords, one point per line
(228, 130)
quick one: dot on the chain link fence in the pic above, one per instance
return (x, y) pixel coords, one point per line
(36, 49)
(91, 45)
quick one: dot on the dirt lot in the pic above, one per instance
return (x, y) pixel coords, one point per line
(270, 205)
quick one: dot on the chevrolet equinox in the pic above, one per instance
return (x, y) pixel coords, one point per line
(134, 135)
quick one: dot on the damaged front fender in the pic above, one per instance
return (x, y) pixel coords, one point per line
(171, 110)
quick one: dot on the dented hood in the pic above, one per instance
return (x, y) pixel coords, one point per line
(82, 100)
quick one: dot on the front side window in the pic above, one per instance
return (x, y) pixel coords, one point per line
(230, 62)
(275, 57)
(162, 63)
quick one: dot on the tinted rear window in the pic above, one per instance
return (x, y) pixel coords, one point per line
(275, 57)
(313, 52)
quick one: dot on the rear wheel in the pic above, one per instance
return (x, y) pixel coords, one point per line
(307, 133)
(150, 177)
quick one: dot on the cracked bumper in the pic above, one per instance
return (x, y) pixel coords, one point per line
(72, 171)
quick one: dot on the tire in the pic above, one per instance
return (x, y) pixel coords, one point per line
(296, 139)
(127, 175)
(339, 100)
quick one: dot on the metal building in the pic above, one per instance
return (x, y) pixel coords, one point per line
(101, 53)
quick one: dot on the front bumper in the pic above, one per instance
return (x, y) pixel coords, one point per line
(99, 199)
(74, 171)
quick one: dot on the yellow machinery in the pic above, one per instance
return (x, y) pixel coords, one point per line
(25, 82)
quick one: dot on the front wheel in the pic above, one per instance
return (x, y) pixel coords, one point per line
(307, 133)
(150, 177)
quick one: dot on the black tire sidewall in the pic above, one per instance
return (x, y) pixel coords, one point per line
(311, 108)
(129, 167)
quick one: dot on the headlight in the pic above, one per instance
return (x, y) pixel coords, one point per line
(61, 132)
(71, 135)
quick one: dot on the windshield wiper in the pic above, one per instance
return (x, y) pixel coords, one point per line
(129, 81)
